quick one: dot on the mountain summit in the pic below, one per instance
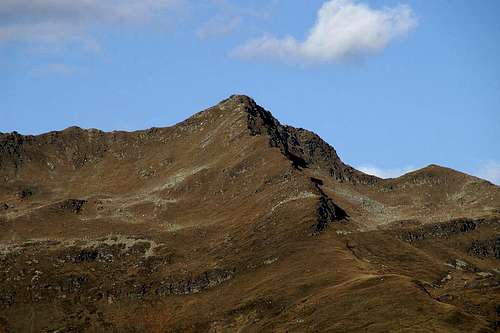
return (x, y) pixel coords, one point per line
(231, 221)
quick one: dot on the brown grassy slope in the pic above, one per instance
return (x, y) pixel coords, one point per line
(230, 221)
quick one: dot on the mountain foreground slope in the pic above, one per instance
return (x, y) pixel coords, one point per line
(233, 222)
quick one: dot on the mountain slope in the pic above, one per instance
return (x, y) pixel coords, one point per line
(230, 221)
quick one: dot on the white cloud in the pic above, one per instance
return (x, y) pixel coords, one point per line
(219, 25)
(385, 173)
(490, 171)
(73, 20)
(343, 29)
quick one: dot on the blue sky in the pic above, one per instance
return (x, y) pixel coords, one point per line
(392, 85)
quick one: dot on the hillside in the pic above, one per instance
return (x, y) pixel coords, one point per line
(232, 222)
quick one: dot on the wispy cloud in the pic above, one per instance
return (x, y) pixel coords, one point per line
(231, 16)
(343, 29)
(55, 68)
(490, 171)
(257, 10)
(219, 25)
(60, 21)
(385, 173)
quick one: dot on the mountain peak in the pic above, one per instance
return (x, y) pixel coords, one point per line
(238, 100)
(302, 147)
(241, 99)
